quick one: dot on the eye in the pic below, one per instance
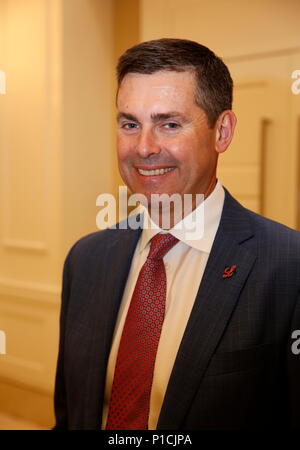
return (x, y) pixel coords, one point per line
(129, 126)
(171, 125)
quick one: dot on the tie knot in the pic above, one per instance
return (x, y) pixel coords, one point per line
(161, 244)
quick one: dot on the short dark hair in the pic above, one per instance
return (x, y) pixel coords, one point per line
(213, 80)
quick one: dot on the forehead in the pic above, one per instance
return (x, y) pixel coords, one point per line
(162, 86)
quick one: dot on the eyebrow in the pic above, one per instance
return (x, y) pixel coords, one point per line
(127, 116)
(155, 117)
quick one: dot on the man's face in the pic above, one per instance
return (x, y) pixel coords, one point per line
(164, 142)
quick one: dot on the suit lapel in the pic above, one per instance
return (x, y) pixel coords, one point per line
(214, 304)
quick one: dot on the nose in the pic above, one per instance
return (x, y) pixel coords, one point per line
(147, 144)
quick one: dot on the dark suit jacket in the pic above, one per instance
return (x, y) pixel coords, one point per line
(234, 369)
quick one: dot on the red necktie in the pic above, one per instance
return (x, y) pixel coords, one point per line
(130, 396)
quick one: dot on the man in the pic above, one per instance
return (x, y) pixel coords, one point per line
(161, 331)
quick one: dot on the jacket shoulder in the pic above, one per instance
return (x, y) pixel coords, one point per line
(272, 230)
(262, 226)
(91, 241)
(102, 244)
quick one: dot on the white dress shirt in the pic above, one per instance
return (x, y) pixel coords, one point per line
(185, 264)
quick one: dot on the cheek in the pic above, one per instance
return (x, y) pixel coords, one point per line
(123, 148)
(175, 146)
(186, 151)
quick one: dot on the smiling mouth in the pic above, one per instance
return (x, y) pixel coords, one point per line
(154, 172)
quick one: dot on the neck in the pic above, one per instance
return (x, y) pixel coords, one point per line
(171, 210)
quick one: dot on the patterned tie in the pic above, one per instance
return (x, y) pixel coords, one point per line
(130, 396)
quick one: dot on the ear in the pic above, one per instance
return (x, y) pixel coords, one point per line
(224, 129)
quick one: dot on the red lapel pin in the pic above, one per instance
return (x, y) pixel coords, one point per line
(229, 271)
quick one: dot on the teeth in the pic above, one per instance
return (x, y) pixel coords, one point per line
(149, 173)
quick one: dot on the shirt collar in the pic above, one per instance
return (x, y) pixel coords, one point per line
(212, 210)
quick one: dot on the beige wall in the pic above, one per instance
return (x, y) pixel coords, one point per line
(87, 111)
(57, 146)
(230, 27)
(260, 42)
(56, 156)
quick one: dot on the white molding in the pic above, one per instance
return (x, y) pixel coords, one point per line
(24, 245)
(36, 242)
(24, 363)
(44, 294)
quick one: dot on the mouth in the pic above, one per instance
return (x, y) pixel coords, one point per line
(154, 172)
